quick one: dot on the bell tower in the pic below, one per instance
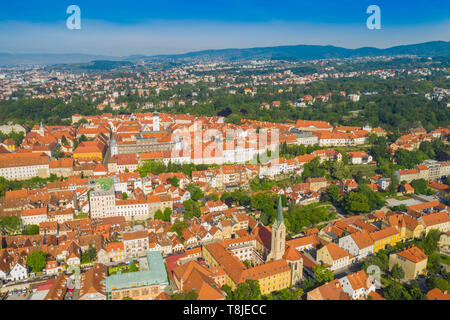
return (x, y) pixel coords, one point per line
(156, 122)
(278, 235)
(41, 130)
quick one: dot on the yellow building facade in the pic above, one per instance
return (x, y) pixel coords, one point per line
(389, 236)
(412, 260)
(271, 276)
(89, 155)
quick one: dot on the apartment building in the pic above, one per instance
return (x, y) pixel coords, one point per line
(412, 260)
(384, 237)
(357, 285)
(439, 221)
(62, 167)
(132, 209)
(428, 170)
(359, 244)
(334, 256)
(23, 166)
(34, 216)
(135, 244)
(359, 158)
(307, 139)
(102, 203)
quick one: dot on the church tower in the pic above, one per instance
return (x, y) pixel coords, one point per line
(278, 235)
(156, 124)
(41, 130)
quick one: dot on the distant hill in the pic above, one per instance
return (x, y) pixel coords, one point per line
(96, 65)
(295, 52)
(312, 52)
(49, 58)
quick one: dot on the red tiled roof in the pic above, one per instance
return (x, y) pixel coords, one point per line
(413, 254)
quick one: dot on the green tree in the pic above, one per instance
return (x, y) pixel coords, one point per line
(228, 291)
(31, 230)
(57, 153)
(338, 170)
(375, 200)
(9, 225)
(322, 274)
(396, 291)
(333, 193)
(132, 267)
(195, 191)
(415, 292)
(166, 214)
(212, 197)
(37, 260)
(430, 243)
(356, 202)
(299, 217)
(408, 159)
(90, 255)
(192, 209)
(64, 141)
(151, 166)
(420, 186)
(401, 208)
(159, 215)
(81, 122)
(178, 226)
(174, 181)
(185, 295)
(397, 272)
(313, 169)
(379, 149)
(359, 177)
(427, 148)
(290, 294)
(381, 259)
(433, 282)
(249, 290)
(308, 283)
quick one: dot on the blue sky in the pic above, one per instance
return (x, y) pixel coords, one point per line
(152, 27)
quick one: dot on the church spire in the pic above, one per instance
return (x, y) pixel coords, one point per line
(278, 235)
(41, 129)
(280, 218)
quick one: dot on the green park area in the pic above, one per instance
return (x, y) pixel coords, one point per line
(347, 149)
(368, 170)
(106, 183)
(132, 267)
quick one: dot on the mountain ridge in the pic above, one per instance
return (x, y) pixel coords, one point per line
(295, 52)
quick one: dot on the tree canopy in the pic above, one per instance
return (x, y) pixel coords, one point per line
(322, 274)
(37, 260)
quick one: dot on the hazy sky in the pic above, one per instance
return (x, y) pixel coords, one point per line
(148, 27)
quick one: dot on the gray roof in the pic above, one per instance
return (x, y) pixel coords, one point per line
(155, 275)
